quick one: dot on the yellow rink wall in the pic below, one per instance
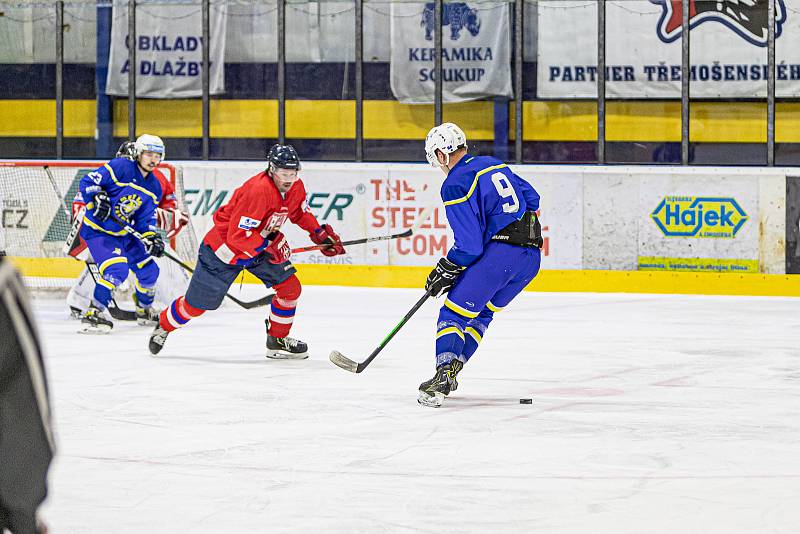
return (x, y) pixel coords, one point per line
(571, 120)
(551, 281)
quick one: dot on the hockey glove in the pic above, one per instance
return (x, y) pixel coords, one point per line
(102, 206)
(153, 245)
(172, 220)
(324, 235)
(443, 277)
(278, 250)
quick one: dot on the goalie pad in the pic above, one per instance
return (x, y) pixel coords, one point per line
(74, 245)
(171, 220)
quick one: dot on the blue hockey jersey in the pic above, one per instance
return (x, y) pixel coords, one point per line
(482, 195)
(133, 197)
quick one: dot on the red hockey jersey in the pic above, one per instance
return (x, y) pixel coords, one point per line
(256, 209)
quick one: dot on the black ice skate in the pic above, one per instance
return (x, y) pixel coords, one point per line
(157, 340)
(146, 316)
(94, 322)
(432, 392)
(285, 348)
(75, 313)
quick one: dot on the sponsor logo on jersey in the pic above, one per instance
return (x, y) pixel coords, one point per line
(710, 217)
(247, 223)
(457, 15)
(747, 19)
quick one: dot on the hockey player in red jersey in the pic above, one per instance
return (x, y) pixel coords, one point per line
(247, 235)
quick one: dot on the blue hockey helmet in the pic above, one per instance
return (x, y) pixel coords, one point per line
(283, 157)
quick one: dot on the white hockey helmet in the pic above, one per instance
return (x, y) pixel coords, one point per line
(150, 143)
(446, 137)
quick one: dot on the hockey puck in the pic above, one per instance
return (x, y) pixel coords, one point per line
(526, 401)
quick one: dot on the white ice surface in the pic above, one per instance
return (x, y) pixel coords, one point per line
(651, 414)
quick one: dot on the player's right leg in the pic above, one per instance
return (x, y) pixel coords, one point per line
(113, 268)
(146, 273)
(282, 278)
(210, 281)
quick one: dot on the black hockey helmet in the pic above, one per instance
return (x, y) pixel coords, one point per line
(127, 150)
(283, 157)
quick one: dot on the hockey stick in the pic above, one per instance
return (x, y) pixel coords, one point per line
(263, 301)
(361, 241)
(347, 364)
(423, 216)
(113, 309)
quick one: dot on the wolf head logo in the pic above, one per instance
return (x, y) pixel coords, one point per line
(457, 15)
(748, 18)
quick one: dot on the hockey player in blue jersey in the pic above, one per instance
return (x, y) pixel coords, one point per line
(128, 191)
(492, 213)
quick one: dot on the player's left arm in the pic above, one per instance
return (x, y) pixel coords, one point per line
(321, 234)
(299, 212)
(144, 221)
(529, 193)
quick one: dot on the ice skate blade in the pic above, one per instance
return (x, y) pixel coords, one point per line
(340, 360)
(431, 401)
(280, 355)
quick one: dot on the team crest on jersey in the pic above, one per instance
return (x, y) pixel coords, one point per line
(747, 18)
(127, 205)
(248, 223)
(276, 220)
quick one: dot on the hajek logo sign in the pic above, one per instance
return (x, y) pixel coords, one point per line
(748, 18)
(680, 216)
(457, 15)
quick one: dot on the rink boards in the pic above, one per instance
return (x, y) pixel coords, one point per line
(626, 228)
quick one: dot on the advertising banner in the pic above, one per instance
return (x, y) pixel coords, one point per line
(699, 223)
(475, 49)
(169, 50)
(643, 49)
(368, 200)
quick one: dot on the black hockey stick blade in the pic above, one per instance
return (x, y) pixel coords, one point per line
(263, 301)
(121, 315)
(340, 360)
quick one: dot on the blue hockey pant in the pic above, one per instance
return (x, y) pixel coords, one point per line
(484, 288)
(115, 256)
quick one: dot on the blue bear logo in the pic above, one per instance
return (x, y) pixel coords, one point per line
(457, 15)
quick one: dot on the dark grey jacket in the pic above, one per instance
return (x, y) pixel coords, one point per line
(26, 438)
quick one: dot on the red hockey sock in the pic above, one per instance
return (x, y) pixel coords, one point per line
(283, 306)
(178, 314)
